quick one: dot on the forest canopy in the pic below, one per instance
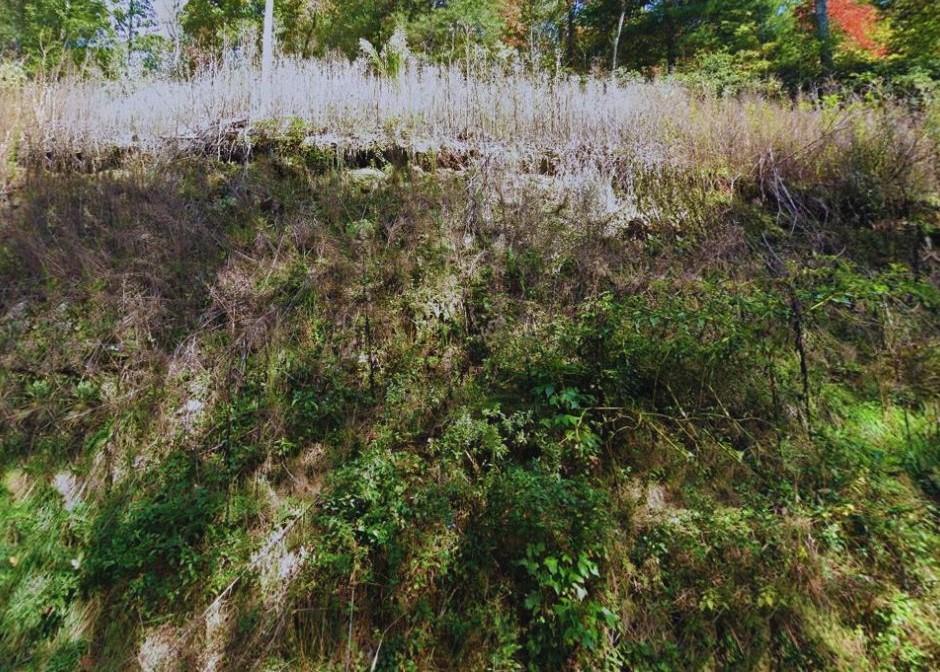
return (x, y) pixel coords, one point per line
(794, 41)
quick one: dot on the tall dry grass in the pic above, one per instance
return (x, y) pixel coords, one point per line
(503, 117)
(425, 105)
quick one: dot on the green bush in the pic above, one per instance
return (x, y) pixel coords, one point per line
(150, 547)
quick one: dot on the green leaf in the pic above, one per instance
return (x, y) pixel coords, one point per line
(552, 564)
(533, 601)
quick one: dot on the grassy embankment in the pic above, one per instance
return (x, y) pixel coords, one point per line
(661, 397)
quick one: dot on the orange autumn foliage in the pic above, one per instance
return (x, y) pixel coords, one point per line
(856, 20)
(515, 26)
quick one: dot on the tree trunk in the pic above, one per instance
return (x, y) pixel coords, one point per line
(822, 32)
(569, 50)
(672, 57)
(623, 16)
(267, 56)
(131, 10)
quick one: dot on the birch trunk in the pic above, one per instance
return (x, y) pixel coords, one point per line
(267, 56)
(623, 16)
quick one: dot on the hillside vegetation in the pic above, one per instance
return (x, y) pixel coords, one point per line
(432, 393)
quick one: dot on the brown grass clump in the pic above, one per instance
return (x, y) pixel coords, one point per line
(119, 230)
(12, 118)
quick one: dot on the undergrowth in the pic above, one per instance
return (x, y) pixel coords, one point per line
(279, 415)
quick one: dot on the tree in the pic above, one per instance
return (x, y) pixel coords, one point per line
(822, 33)
(657, 31)
(858, 21)
(12, 14)
(211, 23)
(449, 30)
(267, 55)
(848, 35)
(654, 30)
(571, 15)
(48, 33)
(296, 26)
(342, 23)
(172, 27)
(604, 25)
(131, 18)
(915, 31)
(619, 34)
